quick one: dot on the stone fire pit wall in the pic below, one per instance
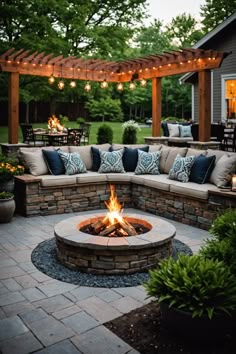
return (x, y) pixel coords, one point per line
(113, 255)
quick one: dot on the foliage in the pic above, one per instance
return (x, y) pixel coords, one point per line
(8, 171)
(214, 12)
(129, 135)
(220, 250)
(6, 195)
(203, 287)
(105, 109)
(64, 120)
(104, 134)
(183, 32)
(131, 124)
(225, 226)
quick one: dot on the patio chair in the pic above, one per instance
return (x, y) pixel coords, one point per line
(74, 136)
(229, 141)
(85, 127)
(29, 137)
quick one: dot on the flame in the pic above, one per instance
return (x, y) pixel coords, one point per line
(115, 209)
(54, 123)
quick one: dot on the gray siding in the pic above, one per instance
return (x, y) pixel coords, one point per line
(224, 41)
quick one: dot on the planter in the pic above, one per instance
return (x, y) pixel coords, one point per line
(7, 186)
(182, 323)
(7, 208)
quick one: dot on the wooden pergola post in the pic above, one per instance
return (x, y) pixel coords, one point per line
(13, 108)
(204, 91)
(156, 107)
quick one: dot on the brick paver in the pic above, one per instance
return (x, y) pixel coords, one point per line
(45, 316)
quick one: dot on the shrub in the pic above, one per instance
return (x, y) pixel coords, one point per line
(80, 120)
(203, 287)
(225, 226)
(104, 134)
(130, 132)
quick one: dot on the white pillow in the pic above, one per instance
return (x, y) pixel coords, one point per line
(224, 169)
(173, 130)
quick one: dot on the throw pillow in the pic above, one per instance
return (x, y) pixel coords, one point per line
(111, 161)
(72, 162)
(96, 158)
(173, 130)
(130, 158)
(54, 162)
(33, 160)
(185, 131)
(223, 171)
(202, 169)
(148, 163)
(181, 168)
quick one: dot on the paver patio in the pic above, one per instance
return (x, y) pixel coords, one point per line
(39, 314)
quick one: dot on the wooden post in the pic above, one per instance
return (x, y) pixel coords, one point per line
(13, 108)
(156, 107)
(204, 92)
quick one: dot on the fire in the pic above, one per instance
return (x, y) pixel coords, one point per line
(54, 124)
(114, 217)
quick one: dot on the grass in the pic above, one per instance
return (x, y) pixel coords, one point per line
(116, 127)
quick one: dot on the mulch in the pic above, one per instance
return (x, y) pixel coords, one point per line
(144, 330)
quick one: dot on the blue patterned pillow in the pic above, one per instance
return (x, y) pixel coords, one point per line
(148, 163)
(185, 131)
(111, 161)
(181, 168)
(72, 162)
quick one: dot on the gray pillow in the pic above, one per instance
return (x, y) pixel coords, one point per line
(181, 168)
(148, 163)
(111, 161)
(223, 171)
(72, 162)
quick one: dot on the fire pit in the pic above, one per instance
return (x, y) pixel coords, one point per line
(122, 250)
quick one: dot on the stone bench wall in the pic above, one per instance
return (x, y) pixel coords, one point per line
(32, 199)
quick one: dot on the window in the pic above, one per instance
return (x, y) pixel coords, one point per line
(230, 96)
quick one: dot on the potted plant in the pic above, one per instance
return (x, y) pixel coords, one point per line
(7, 206)
(197, 296)
(7, 172)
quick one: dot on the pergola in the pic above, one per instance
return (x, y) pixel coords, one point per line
(153, 67)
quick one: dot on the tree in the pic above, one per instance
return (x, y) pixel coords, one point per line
(105, 109)
(183, 31)
(214, 12)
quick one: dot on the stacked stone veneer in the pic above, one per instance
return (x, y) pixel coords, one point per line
(32, 199)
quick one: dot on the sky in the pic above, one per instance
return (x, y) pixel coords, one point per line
(165, 10)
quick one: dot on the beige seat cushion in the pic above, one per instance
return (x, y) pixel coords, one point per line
(192, 189)
(90, 177)
(119, 177)
(154, 148)
(85, 153)
(158, 181)
(55, 181)
(174, 151)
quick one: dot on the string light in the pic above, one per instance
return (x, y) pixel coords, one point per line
(61, 83)
(132, 85)
(51, 78)
(104, 84)
(143, 82)
(120, 86)
(72, 82)
(87, 86)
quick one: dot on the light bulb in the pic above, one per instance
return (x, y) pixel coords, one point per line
(61, 85)
(73, 84)
(104, 84)
(87, 87)
(143, 82)
(120, 86)
(51, 79)
(132, 85)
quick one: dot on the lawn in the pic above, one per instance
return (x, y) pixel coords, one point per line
(116, 127)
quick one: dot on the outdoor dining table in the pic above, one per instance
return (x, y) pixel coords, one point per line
(51, 138)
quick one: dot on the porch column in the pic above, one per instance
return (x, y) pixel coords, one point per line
(13, 108)
(156, 107)
(204, 92)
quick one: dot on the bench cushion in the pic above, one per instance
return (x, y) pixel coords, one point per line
(55, 181)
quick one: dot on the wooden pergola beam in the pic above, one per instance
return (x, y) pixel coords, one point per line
(204, 83)
(13, 108)
(156, 107)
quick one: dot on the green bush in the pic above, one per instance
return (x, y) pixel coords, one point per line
(225, 226)
(80, 120)
(129, 135)
(202, 287)
(104, 134)
(221, 251)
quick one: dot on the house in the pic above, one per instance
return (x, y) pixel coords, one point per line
(223, 79)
